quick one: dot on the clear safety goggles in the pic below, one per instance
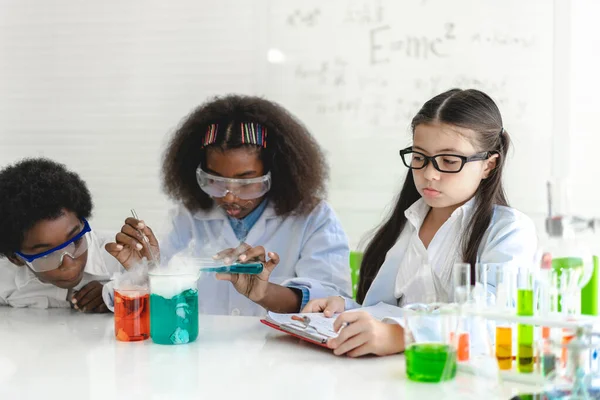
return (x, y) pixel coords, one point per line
(53, 258)
(245, 189)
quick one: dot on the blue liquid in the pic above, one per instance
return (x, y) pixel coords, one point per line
(250, 269)
(174, 320)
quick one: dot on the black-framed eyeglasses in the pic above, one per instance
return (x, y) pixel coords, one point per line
(448, 163)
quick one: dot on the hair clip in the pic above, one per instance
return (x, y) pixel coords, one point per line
(253, 133)
(211, 135)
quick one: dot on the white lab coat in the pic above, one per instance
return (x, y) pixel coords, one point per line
(402, 279)
(313, 251)
(19, 287)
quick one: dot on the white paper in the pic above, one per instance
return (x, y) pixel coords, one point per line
(322, 327)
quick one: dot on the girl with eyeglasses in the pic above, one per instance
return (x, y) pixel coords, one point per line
(250, 179)
(451, 209)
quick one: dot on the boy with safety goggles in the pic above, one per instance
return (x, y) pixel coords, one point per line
(56, 259)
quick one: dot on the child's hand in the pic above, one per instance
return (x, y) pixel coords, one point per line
(328, 306)
(365, 335)
(252, 286)
(229, 256)
(130, 247)
(89, 298)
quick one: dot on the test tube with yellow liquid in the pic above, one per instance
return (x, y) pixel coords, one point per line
(504, 348)
(496, 278)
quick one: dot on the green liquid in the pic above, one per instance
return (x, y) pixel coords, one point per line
(559, 265)
(174, 320)
(355, 261)
(525, 355)
(430, 362)
(525, 302)
(589, 293)
(525, 332)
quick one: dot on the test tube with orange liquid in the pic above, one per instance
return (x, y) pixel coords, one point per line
(132, 314)
(463, 347)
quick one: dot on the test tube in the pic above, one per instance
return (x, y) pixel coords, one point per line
(462, 295)
(504, 347)
(546, 354)
(461, 275)
(547, 358)
(498, 276)
(525, 307)
(153, 257)
(567, 336)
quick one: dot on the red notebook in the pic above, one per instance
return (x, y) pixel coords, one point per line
(300, 335)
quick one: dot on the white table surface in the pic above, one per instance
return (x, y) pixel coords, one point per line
(63, 354)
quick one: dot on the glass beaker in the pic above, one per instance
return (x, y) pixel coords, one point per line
(132, 313)
(430, 341)
(173, 306)
(571, 270)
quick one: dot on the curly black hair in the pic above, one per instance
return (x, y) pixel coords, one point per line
(33, 190)
(298, 168)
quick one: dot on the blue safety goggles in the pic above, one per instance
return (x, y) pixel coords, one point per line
(53, 258)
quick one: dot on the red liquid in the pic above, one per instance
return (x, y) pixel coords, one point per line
(132, 316)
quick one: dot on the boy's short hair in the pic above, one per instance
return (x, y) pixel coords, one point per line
(33, 190)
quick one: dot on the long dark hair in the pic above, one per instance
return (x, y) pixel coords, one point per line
(471, 109)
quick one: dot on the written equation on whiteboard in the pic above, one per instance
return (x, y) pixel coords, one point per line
(338, 89)
(384, 44)
(377, 61)
(387, 41)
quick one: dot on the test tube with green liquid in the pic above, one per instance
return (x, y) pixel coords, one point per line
(525, 307)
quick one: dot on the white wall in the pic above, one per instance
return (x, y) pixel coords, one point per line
(584, 109)
(100, 85)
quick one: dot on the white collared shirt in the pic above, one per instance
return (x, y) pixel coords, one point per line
(19, 287)
(403, 279)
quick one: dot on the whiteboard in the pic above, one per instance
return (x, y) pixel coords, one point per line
(101, 87)
(357, 71)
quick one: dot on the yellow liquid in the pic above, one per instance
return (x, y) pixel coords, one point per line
(504, 347)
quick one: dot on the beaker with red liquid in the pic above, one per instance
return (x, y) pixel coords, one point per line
(132, 314)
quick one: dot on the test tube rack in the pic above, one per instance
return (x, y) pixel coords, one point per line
(551, 320)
